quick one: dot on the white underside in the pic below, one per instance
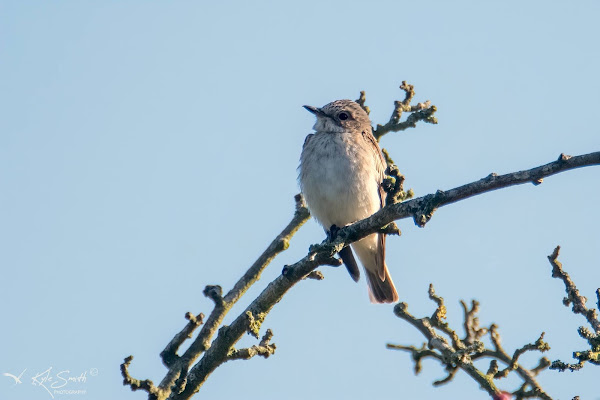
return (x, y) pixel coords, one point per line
(340, 182)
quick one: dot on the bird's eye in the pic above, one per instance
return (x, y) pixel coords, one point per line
(343, 116)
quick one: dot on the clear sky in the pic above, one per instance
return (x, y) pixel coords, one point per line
(150, 148)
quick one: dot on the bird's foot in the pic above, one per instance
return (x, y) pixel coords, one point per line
(333, 232)
(331, 235)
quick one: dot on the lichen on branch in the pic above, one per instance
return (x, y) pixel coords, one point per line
(215, 342)
(444, 344)
(579, 306)
(420, 112)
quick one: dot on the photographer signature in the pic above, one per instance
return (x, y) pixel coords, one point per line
(50, 381)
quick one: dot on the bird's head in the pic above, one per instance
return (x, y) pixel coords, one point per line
(340, 116)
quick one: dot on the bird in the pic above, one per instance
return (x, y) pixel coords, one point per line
(340, 175)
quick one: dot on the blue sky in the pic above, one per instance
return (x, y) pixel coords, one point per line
(150, 148)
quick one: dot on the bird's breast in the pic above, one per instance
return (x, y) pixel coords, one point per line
(339, 179)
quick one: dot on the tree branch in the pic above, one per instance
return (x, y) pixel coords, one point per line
(421, 209)
(186, 374)
(420, 112)
(169, 354)
(136, 384)
(175, 381)
(263, 349)
(461, 353)
(579, 307)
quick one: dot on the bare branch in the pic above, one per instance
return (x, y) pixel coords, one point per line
(440, 349)
(451, 373)
(215, 293)
(316, 275)
(361, 101)
(169, 354)
(264, 349)
(527, 375)
(393, 185)
(459, 354)
(215, 342)
(471, 324)
(539, 345)
(543, 364)
(420, 112)
(417, 354)
(578, 303)
(176, 380)
(421, 209)
(137, 384)
(573, 297)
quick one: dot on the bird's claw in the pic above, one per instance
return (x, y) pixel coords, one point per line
(333, 232)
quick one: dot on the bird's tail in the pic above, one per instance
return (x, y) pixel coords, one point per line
(381, 291)
(371, 253)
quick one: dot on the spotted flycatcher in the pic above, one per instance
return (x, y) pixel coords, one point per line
(341, 172)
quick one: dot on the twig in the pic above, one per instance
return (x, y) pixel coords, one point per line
(393, 185)
(460, 354)
(421, 209)
(573, 297)
(527, 375)
(578, 303)
(263, 349)
(185, 376)
(420, 112)
(471, 324)
(136, 384)
(169, 354)
(176, 380)
(440, 349)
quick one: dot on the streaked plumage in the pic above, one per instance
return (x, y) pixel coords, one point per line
(341, 171)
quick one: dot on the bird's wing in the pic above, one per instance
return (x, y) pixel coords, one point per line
(381, 165)
(310, 135)
(379, 158)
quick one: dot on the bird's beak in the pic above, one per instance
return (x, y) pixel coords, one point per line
(315, 110)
